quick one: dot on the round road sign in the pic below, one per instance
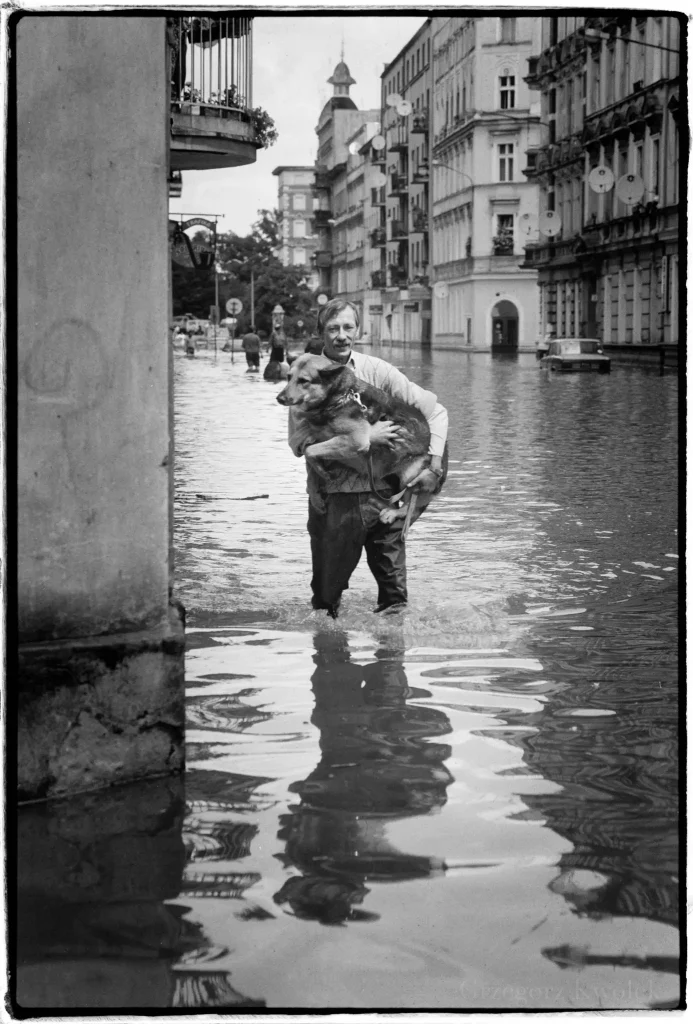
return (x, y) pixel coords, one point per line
(234, 306)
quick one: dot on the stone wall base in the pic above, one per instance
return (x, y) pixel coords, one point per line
(99, 711)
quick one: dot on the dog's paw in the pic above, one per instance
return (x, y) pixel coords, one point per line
(391, 515)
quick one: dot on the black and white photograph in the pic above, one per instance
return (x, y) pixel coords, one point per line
(345, 356)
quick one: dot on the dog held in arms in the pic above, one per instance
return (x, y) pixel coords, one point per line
(334, 411)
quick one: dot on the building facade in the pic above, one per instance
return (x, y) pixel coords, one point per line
(482, 205)
(296, 191)
(608, 171)
(339, 186)
(406, 103)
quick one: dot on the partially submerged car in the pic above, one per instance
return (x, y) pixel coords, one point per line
(576, 354)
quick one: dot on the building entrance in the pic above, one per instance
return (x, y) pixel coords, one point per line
(504, 325)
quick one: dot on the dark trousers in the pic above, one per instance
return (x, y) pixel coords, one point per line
(338, 536)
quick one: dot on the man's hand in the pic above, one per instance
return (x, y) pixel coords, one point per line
(384, 432)
(425, 483)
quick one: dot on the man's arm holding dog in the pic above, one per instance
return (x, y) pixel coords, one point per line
(356, 441)
(392, 380)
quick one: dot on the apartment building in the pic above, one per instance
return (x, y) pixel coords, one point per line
(483, 122)
(296, 191)
(608, 172)
(339, 186)
(405, 119)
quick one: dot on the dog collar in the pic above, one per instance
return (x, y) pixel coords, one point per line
(354, 396)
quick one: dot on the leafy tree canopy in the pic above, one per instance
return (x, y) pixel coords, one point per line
(242, 258)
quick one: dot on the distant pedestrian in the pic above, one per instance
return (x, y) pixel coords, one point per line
(251, 347)
(314, 346)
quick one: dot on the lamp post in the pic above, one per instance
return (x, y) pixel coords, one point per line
(463, 174)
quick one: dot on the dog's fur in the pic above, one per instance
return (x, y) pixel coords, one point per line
(320, 393)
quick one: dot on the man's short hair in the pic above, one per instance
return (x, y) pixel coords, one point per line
(332, 308)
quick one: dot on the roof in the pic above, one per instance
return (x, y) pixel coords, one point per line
(341, 75)
(388, 67)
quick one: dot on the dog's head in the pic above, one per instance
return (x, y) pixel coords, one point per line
(311, 380)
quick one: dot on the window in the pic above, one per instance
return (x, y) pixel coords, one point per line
(505, 229)
(507, 92)
(507, 30)
(552, 101)
(638, 169)
(299, 229)
(506, 152)
(299, 201)
(655, 166)
(299, 257)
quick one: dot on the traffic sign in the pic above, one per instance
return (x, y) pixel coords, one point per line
(234, 306)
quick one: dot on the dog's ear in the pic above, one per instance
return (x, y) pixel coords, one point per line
(330, 373)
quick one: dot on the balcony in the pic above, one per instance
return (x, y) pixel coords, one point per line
(378, 238)
(420, 175)
(419, 222)
(321, 218)
(398, 275)
(378, 197)
(378, 279)
(213, 123)
(322, 178)
(419, 124)
(322, 258)
(398, 139)
(398, 184)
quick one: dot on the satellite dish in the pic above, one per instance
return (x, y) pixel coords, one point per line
(393, 99)
(630, 189)
(354, 147)
(404, 108)
(550, 223)
(372, 128)
(322, 299)
(378, 142)
(440, 290)
(379, 180)
(601, 179)
(528, 223)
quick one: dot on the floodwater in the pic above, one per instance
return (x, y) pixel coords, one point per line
(471, 806)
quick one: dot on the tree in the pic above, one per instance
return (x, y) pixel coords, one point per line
(242, 258)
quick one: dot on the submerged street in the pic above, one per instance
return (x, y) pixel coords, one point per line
(483, 797)
(474, 805)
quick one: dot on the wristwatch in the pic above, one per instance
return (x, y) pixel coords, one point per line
(436, 472)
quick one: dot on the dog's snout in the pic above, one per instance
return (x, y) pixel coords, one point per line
(281, 397)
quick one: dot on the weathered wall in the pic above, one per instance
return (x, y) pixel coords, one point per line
(93, 307)
(94, 447)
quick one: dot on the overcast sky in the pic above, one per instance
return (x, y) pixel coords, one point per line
(293, 57)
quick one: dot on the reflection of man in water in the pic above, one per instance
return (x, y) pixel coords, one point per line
(376, 766)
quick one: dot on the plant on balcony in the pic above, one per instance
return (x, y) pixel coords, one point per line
(265, 132)
(503, 243)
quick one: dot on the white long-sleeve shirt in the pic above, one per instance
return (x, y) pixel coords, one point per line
(388, 378)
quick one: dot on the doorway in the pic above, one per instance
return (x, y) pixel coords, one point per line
(504, 325)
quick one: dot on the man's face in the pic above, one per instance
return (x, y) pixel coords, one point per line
(339, 335)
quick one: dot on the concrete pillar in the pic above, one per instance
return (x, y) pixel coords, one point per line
(100, 666)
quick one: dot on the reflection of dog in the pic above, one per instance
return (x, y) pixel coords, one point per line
(334, 411)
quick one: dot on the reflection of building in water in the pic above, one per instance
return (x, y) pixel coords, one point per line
(377, 765)
(615, 759)
(211, 835)
(223, 712)
(96, 927)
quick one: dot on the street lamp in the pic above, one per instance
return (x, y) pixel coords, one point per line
(463, 174)
(594, 33)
